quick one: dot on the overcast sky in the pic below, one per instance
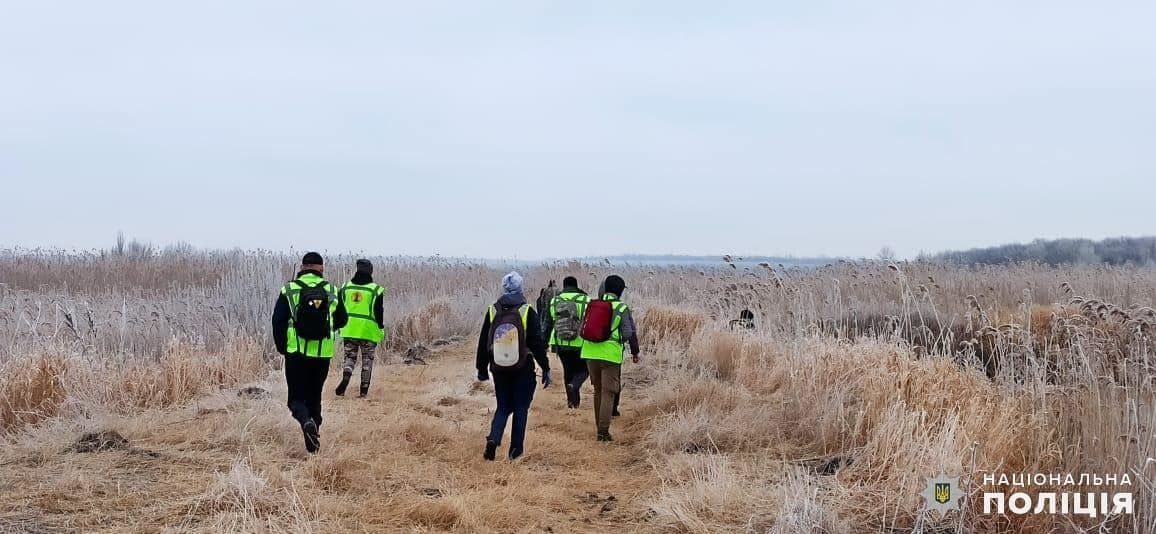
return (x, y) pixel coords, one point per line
(545, 129)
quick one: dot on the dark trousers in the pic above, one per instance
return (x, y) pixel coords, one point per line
(574, 372)
(515, 392)
(305, 378)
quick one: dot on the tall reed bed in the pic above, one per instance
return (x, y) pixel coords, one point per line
(858, 380)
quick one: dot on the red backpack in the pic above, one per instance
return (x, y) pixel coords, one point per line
(598, 322)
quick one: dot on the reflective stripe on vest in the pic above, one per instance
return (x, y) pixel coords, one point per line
(582, 301)
(611, 349)
(359, 304)
(295, 345)
(523, 310)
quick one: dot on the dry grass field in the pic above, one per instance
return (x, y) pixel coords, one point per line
(137, 393)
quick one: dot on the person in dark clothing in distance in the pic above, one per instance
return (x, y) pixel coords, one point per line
(306, 361)
(513, 389)
(545, 295)
(746, 320)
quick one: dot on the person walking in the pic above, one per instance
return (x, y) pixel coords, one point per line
(366, 328)
(562, 325)
(306, 318)
(509, 344)
(606, 331)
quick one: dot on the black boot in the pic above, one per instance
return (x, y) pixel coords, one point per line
(312, 436)
(491, 451)
(364, 391)
(570, 401)
(605, 436)
(344, 384)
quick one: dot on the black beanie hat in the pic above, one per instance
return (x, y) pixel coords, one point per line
(570, 281)
(312, 258)
(614, 284)
(364, 266)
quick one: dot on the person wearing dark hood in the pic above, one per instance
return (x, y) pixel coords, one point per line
(562, 326)
(366, 328)
(509, 344)
(306, 318)
(606, 332)
(545, 295)
(746, 320)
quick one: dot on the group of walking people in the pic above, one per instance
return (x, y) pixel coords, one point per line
(588, 335)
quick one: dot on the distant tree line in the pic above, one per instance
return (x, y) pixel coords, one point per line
(1114, 251)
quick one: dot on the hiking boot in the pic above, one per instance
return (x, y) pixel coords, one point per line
(491, 451)
(312, 436)
(515, 454)
(571, 396)
(605, 436)
(344, 384)
(364, 391)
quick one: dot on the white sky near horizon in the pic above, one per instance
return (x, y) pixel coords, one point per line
(799, 128)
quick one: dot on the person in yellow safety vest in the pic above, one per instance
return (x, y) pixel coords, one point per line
(366, 328)
(604, 359)
(562, 331)
(306, 319)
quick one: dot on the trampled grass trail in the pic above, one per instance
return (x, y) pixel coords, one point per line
(408, 458)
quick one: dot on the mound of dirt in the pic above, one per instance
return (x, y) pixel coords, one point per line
(416, 354)
(448, 401)
(253, 392)
(105, 440)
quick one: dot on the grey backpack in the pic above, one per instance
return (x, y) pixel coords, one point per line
(567, 321)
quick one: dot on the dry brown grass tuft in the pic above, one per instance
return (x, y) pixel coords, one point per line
(334, 475)
(31, 392)
(422, 326)
(440, 515)
(54, 385)
(669, 324)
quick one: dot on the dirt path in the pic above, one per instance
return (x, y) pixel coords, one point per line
(408, 458)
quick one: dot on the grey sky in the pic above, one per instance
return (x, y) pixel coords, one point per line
(687, 127)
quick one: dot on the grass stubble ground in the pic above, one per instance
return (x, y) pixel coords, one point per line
(407, 458)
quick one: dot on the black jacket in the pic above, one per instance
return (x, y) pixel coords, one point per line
(378, 309)
(534, 340)
(282, 315)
